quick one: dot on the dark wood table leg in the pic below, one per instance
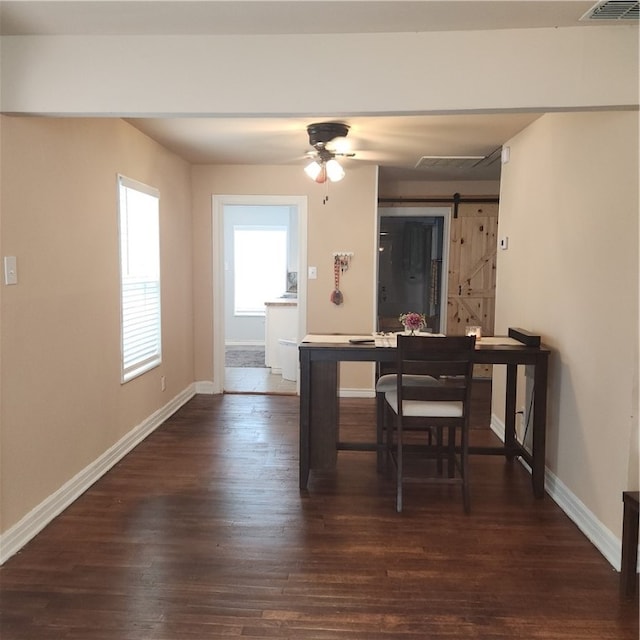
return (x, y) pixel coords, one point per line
(319, 417)
(324, 415)
(305, 418)
(628, 576)
(510, 411)
(539, 427)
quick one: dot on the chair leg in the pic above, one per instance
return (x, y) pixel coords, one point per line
(389, 420)
(451, 463)
(464, 470)
(380, 428)
(399, 462)
(439, 447)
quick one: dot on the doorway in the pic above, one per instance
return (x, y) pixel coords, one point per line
(412, 265)
(259, 250)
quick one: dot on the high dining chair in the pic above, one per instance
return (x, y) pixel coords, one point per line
(440, 408)
(387, 382)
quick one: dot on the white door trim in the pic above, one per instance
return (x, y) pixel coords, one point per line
(217, 228)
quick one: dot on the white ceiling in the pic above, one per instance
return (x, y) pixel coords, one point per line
(48, 17)
(396, 143)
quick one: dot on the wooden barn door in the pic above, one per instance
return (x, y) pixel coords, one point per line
(472, 270)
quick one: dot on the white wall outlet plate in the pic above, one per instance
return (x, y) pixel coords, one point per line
(10, 270)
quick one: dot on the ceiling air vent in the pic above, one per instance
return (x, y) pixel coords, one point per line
(448, 162)
(613, 10)
(458, 162)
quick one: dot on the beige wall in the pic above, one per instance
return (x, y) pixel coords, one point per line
(439, 189)
(62, 401)
(360, 73)
(569, 205)
(347, 222)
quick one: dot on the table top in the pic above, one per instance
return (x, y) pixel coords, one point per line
(389, 341)
(338, 348)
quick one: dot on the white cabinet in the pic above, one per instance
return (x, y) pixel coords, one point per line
(281, 323)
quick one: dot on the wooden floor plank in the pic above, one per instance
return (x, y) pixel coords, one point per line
(202, 532)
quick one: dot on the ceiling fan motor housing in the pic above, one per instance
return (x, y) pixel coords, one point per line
(322, 132)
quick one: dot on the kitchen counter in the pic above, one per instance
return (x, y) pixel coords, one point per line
(281, 323)
(282, 302)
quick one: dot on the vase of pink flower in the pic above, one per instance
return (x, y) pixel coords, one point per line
(413, 322)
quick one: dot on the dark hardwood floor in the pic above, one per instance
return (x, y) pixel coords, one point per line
(202, 532)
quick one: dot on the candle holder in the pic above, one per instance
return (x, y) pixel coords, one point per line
(473, 330)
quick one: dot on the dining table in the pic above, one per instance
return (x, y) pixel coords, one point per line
(321, 354)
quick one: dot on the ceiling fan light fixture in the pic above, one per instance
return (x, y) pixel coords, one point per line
(335, 172)
(313, 169)
(341, 146)
(322, 132)
(325, 167)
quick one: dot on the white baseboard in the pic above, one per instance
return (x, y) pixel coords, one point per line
(596, 532)
(244, 343)
(356, 393)
(497, 426)
(599, 535)
(205, 386)
(12, 540)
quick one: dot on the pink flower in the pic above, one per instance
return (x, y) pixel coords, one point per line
(413, 321)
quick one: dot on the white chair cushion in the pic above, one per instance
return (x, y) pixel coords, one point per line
(421, 408)
(388, 382)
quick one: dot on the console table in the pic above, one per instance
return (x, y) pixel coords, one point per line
(319, 403)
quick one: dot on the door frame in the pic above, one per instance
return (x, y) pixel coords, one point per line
(218, 203)
(423, 212)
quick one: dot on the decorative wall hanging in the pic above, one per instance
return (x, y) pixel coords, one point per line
(341, 262)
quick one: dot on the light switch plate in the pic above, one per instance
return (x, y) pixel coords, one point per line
(10, 270)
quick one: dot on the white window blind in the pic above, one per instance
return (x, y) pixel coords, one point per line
(139, 277)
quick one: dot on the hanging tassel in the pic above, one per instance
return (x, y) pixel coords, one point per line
(326, 197)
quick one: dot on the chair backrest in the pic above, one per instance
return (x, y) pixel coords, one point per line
(450, 359)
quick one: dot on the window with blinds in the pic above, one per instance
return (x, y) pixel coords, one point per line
(139, 277)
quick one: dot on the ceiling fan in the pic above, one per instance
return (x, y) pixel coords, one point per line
(328, 140)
